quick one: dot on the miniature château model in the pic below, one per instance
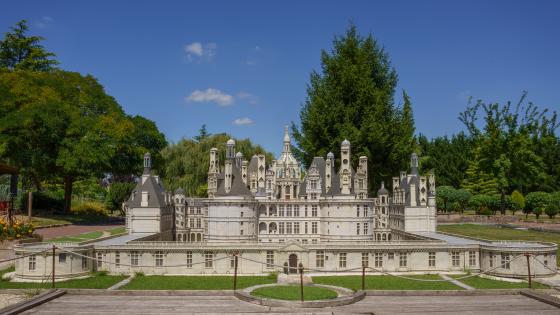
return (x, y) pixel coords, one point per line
(272, 217)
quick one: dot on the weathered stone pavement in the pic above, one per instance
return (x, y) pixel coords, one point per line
(379, 305)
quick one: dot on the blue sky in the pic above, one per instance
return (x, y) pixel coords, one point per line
(242, 66)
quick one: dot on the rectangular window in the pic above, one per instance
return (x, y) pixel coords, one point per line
(32, 262)
(84, 263)
(117, 259)
(357, 228)
(62, 258)
(314, 241)
(306, 230)
(232, 262)
(366, 209)
(391, 256)
(472, 258)
(159, 259)
(320, 259)
(280, 211)
(191, 223)
(99, 260)
(505, 261)
(378, 260)
(313, 227)
(269, 259)
(403, 260)
(305, 210)
(342, 260)
(314, 210)
(198, 210)
(365, 259)
(296, 211)
(189, 259)
(545, 261)
(281, 228)
(134, 258)
(241, 232)
(304, 241)
(491, 260)
(241, 215)
(289, 210)
(366, 228)
(208, 260)
(431, 259)
(313, 184)
(288, 227)
(455, 259)
(198, 223)
(358, 211)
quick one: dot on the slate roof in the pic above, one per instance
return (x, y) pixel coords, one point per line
(238, 188)
(155, 190)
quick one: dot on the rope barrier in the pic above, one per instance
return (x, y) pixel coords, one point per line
(23, 256)
(542, 263)
(141, 266)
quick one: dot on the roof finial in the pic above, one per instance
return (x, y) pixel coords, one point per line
(287, 144)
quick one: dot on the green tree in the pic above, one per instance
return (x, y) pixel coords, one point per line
(518, 201)
(462, 198)
(444, 197)
(551, 210)
(61, 124)
(481, 203)
(117, 194)
(353, 98)
(535, 200)
(22, 52)
(202, 134)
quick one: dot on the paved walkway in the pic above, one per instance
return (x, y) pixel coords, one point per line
(378, 305)
(74, 229)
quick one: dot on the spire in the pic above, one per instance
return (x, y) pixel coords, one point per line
(287, 142)
(147, 163)
(414, 164)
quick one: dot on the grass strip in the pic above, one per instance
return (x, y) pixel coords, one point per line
(292, 293)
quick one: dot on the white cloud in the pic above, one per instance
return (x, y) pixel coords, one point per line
(200, 51)
(44, 21)
(243, 121)
(250, 98)
(194, 48)
(210, 95)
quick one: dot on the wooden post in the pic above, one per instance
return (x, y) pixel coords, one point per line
(301, 280)
(235, 271)
(53, 266)
(528, 269)
(29, 205)
(363, 277)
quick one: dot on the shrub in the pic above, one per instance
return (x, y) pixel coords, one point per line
(494, 203)
(551, 210)
(43, 202)
(517, 201)
(90, 208)
(118, 193)
(462, 198)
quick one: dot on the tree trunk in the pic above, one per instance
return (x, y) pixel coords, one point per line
(68, 181)
(503, 202)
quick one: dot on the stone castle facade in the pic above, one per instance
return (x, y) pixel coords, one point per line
(272, 216)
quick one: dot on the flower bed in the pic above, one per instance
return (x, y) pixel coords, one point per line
(17, 230)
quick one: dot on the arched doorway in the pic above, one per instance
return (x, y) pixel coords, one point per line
(292, 262)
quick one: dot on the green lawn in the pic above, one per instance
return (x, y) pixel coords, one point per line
(51, 219)
(292, 292)
(97, 281)
(387, 282)
(118, 230)
(483, 283)
(493, 232)
(78, 238)
(195, 282)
